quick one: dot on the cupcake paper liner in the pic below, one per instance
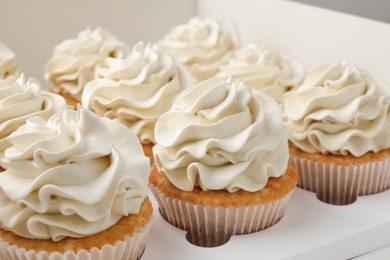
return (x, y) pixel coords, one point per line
(342, 184)
(131, 247)
(210, 226)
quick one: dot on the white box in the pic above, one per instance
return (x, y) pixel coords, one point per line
(310, 229)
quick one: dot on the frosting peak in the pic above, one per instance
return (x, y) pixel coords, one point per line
(219, 136)
(73, 175)
(339, 109)
(21, 99)
(8, 64)
(138, 89)
(74, 61)
(201, 45)
(264, 70)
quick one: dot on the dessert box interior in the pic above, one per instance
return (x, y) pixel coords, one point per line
(310, 229)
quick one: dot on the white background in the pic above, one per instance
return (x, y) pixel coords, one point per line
(31, 28)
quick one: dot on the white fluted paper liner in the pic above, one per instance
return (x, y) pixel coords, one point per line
(130, 248)
(210, 226)
(342, 184)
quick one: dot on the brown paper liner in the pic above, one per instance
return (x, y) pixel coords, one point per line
(341, 184)
(69, 99)
(210, 226)
(130, 247)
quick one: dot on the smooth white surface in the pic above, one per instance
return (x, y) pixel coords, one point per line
(31, 29)
(310, 229)
(308, 34)
(382, 253)
(373, 9)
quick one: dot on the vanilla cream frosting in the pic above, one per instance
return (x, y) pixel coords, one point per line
(8, 64)
(339, 109)
(219, 136)
(264, 70)
(201, 45)
(71, 176)
(74, 61)
(21, 99)
(137, 90)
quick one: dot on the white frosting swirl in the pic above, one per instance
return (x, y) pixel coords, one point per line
(74, 61)
(137, 90)
(200, 45)
(20, 100)
(8, 64)
(71, 176)
(264, 70)
(339, 109)
(219, 136)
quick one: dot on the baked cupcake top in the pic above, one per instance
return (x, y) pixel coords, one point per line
(8, 64)
(220, 137)
(21, 99)
(138, 89)
(71, 176)
(339, 109)
(201, 45)
(264, 70)
(74, 61)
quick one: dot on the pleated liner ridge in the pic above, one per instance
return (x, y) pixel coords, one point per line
(342, 184)
(131, 248)
(210, 226)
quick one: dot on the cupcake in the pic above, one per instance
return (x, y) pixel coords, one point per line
(75, 187)
(201, 45)
(8, 64)
(137, 90)
(338, 122)
(221, 162)
(21, 99)
(74, 61)
(264, 70)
